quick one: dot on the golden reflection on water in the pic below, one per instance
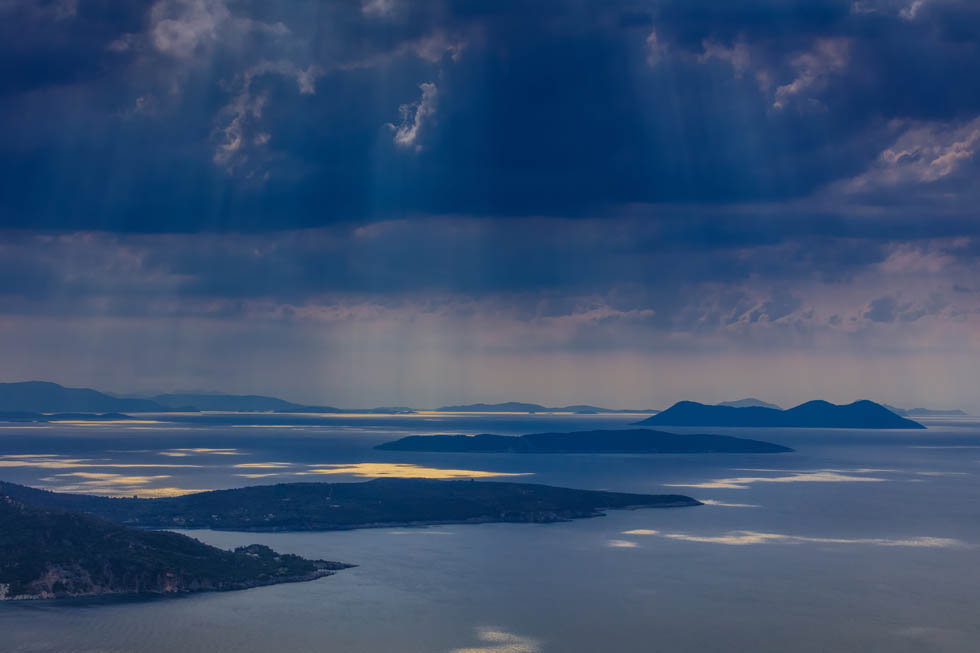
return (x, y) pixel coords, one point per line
(180, 453)
(404, 470)
(108, 478)
(103, 422)
(266, 465)
(162, 492)
(494, 640)
(114, 485)
(54, 461)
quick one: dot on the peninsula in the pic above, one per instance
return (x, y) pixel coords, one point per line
(47, 553)
(813, 414)
(608, 441)
(341, 506)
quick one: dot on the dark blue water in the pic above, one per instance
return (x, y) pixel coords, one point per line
(858, 541)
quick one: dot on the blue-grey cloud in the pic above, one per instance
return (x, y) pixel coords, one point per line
(184, 180)
(189, 115)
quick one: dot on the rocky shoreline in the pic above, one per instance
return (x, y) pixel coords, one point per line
(55, 576)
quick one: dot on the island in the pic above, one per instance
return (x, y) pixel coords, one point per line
(31, 398)
(925, 412)
(601, 441)
(936, 412)
(342, 506)
(220, 402)
(524, 407)
(812, 414)
(27, 416)
(47, 553)
(47, 397)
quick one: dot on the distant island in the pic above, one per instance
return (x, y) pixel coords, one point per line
(46, 397)
(338, 506)
(813, 414)
(749, 401)
(214, 401)
(608, 441)
(522, 407)
(47, 553)
(932, 412)
(24, 416)
(925, 412)
(25, 400)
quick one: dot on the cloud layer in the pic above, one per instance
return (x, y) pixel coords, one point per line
(354, 191)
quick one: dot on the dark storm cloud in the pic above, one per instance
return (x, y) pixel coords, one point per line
(190, 115)
(459, 256)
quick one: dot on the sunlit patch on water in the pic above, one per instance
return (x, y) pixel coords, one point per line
(743, 482)
(265, 465)
(858, 470)
(180, 453)
(745, 538)
(296, 427)
(106, 478)
(621, 544)
(500, 641)
(114, 485)
(53, 461)
(826, 475)
(723, 504)
(103, 422)
(159, 492)
(641, 531)
(418, 531)
(403, 470)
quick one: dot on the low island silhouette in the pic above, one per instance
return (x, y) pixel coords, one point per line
(812, 414)
(526, 407)
(600, 441)
(342, 506)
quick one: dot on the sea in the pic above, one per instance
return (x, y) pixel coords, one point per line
(859, 540)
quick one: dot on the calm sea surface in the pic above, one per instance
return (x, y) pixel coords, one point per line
(858, 541)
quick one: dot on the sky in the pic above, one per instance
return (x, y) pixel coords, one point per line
(623, 202)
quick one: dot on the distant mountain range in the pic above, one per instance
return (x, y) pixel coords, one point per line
(26, 400)
(232, 403)
(522, 407)
(813, 414)
(46, 397)
(603, 441)
(36, 400)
